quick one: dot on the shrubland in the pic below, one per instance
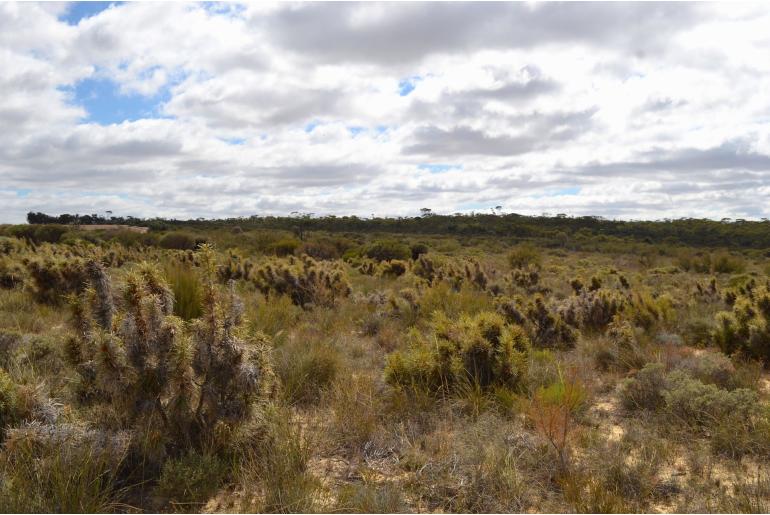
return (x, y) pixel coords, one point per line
(294, 369)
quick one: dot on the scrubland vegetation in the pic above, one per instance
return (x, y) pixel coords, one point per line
(302, 370)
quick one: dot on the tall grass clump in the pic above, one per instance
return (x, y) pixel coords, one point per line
(188, 295)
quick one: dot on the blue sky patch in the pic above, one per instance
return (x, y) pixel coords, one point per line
(106, 105)
(438, 168)
(355, 131)
(80, 10)
(312, 125)
(561, 192)
(407, 85)
(234, 141)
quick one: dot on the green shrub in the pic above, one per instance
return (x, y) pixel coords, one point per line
(592, 310)
(645, 389)
(305, 281)
(54, 278)
(524, 255)
(11, 273)
(417, 250)
(548, 329)
(386, 250)
(746, 329)
(394, 268)
(158, 377)
(322, 250)
(725, 263)
(285, 247)
(179, 241)
(480, 349)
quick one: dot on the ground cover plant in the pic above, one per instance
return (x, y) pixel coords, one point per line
(192, 369)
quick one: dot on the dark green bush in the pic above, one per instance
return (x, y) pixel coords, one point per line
(179, 241)
(386, 250)
(285, 247)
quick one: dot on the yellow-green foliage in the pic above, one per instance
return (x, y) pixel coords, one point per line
(305, 281)
(524, 255)
(746, 329)
(53, 278)
(592, 310)
(11, 273)
(480, 349)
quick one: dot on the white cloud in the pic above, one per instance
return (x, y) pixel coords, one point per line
(625, 110)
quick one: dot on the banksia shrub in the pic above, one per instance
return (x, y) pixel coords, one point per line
(548, 329)
(368, 267)
(53, 278)
(746, 329)
(394, 268)
(592, 310)
(481, 350)
(182, 386)
(307, 282)
(235, 268)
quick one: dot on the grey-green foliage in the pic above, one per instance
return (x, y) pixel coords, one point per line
(159, 375)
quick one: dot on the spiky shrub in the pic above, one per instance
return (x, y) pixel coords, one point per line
(368, 267)
(183, 387)
(746, 329)
(592, 310)
(11, 273)
(234, 268)
(623, 351)
(55, 277)
(482, 350)
(527, 279)
(393, 268)
(548, 329)
(306, 281)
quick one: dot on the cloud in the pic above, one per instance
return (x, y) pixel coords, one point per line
(177, 109)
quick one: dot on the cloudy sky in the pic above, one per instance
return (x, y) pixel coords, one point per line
(209, 110)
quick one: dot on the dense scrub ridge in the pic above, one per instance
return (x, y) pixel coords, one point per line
(263, 369)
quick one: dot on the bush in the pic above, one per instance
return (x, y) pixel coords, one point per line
(645, 389)
(394, 268)
(548, 329)
(724, 263)
(160, 379)
(592, 310)
(179, 241)
(481, 350)
(322, 250)
(746, 329)
(386, 250)
(305, 281)
(11, 273)
(187, 482)
(417, 250)
(524, 255)
(54, 278)
(285, 247)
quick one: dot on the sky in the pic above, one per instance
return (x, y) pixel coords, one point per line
(187, 110)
